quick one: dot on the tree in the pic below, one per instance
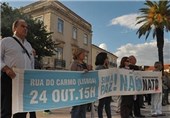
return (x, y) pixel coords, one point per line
(40, 39)
(155, 16)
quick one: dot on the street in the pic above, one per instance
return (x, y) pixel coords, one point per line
(65, 112)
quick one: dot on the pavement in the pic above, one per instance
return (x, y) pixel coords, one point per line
(65, 112)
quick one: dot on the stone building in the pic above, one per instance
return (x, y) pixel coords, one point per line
(70, 31)
(112, 58)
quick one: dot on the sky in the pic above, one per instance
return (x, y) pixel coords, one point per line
(113, 26)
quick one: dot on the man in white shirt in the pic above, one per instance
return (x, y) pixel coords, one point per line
(13, 55)
(156, 98)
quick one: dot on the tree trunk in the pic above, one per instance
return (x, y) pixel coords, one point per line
(160, 45)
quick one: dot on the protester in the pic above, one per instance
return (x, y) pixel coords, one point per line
(78, 64)
(126, 100)
(102, 63)
(156, 98)
(166, 86)
(138, 102)
(16, 52)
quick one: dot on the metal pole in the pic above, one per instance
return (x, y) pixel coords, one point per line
(92, 109)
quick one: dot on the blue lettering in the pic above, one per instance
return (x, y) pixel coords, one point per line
(115, 82)
(131, 84)
(102, 89)
(123, 83)
(110, 86)
(138, 83)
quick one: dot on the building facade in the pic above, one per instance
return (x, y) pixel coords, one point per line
(70, 31)
(112, 58)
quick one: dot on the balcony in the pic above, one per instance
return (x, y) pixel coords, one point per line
(59, 63)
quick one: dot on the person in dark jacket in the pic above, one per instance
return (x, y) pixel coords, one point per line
(102, 63)
(126, 104)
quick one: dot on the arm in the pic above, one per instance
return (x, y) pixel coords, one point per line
(4, 67)
(73, 66)
(2, 54)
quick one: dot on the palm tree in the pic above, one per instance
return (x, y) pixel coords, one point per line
(155, 16)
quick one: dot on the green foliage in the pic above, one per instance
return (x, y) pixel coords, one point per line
(40, 39)
(155, 15)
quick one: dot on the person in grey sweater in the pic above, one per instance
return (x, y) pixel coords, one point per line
(79, 111)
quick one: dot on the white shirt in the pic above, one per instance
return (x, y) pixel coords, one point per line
(13, 55)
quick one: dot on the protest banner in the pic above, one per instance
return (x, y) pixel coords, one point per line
(36, 90)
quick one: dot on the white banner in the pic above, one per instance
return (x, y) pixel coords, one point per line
(35, 90)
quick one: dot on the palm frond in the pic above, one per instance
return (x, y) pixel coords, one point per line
(144, 10)
(154, 33)
(141, 17)
(156, 14)
(163, 3)
(143, 29)
(140, 21)
(167, 24)
(168, 6)
(149, 3)
(148, 32)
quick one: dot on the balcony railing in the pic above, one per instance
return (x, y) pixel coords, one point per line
(59, 63)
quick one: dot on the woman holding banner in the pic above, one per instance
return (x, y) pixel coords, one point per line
(126, 100)
(102, 63)
(78, 64)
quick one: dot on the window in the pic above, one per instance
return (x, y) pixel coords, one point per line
(85, 39)
(59, 53)
(60, 25)
(74, 33)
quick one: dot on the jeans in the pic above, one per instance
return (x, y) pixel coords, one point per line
(104, 102)
(78, 111)
(32, 114)
(126, 106)
(6, 96)
(156, 103)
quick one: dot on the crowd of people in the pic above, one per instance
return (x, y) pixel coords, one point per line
(130, 105)
(17, 52)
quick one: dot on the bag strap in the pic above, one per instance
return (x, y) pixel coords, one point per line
(22, 47)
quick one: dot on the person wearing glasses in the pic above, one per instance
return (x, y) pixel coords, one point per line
(13, 55)
(126, 100)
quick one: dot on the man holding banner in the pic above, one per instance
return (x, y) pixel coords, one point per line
(15, 52)
(137, 98)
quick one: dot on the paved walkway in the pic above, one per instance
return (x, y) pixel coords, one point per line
(65, 113)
